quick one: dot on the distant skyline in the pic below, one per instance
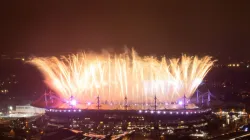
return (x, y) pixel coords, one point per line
(218, 27)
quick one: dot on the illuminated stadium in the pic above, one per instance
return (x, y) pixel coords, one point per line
(122, 91)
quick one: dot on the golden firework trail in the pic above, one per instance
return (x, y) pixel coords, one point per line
(113, 77)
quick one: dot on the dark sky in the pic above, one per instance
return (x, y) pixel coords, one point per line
(148, 26)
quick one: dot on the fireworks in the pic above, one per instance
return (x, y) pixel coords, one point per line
(113, 77)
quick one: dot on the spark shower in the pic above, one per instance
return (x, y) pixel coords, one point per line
(112, 77)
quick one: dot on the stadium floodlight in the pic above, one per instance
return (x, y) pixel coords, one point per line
(73, 102)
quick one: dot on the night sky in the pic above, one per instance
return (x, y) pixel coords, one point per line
(218, 28)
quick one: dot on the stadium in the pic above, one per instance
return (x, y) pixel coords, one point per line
(123, 90)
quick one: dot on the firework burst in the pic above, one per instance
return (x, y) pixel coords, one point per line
(113, 77)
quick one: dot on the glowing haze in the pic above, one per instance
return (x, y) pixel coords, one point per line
(112, 77)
